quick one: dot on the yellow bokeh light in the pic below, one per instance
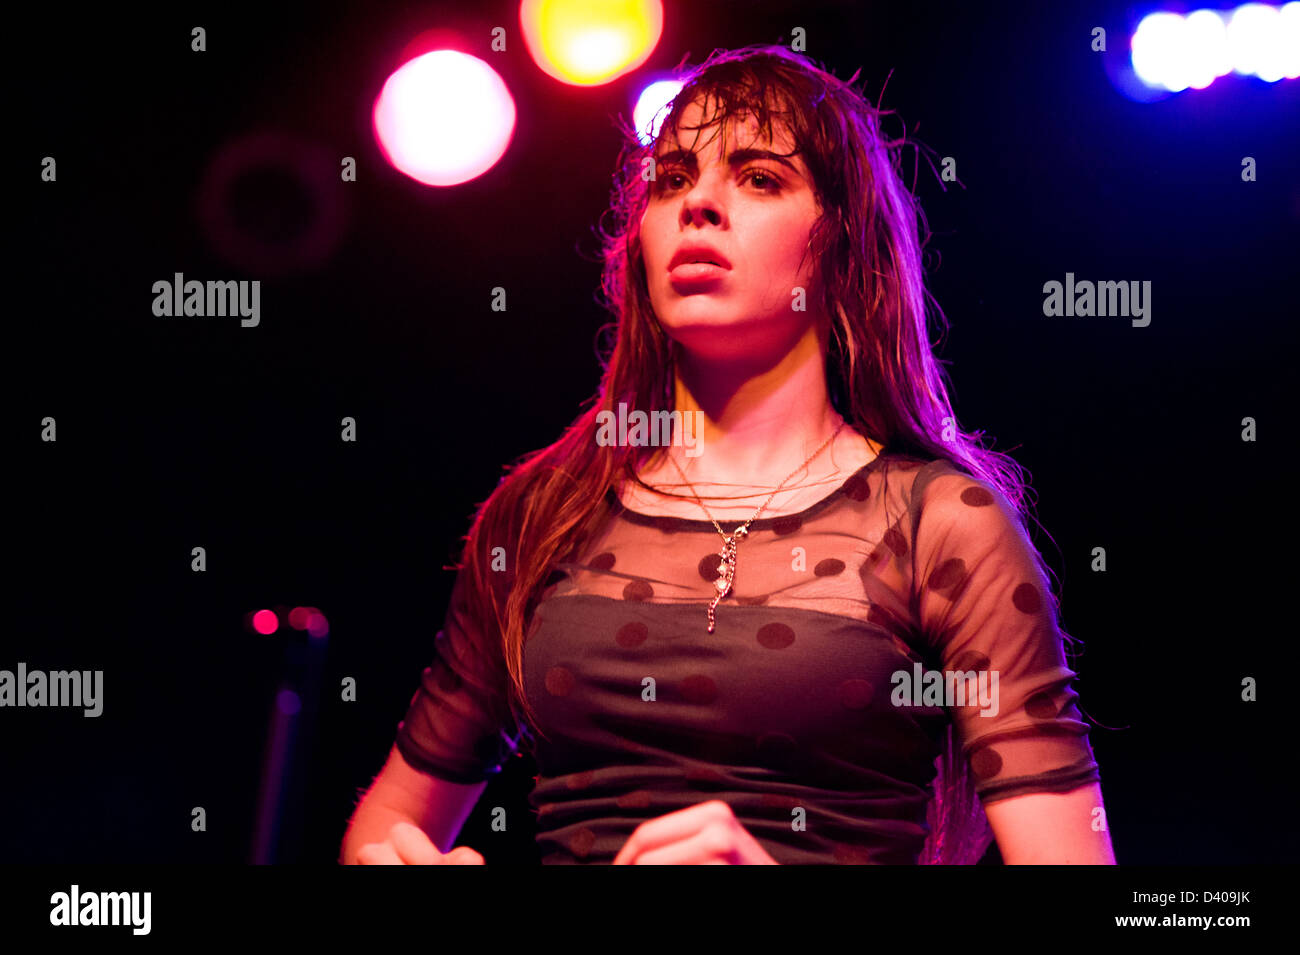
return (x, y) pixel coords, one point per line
(589, 42)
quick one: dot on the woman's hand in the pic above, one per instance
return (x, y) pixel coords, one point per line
(408, 844)
(703, 834)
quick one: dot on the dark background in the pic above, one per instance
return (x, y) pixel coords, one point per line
(177, 433)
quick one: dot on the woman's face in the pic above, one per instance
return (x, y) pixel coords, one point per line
(756, 213)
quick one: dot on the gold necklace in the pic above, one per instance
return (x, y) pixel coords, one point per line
(727, 569)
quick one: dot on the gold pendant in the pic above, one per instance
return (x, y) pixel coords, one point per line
(726, 572)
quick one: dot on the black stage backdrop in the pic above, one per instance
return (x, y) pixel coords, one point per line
(176, 434)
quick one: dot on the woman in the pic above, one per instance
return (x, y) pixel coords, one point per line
(752, 645)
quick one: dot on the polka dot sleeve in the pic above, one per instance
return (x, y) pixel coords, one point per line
(458, 726)
(984, 604)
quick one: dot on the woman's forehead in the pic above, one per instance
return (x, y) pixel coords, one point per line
(739, 130)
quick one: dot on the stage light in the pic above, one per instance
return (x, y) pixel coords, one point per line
(651, 108)
(288, 702)
(318, 627)
(265, 622)
(1175, 52)
(444, 118)
(1206, 36)
(1289, 39)
(589, 42)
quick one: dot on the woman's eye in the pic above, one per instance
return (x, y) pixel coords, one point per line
(762, 179)
(773, 183)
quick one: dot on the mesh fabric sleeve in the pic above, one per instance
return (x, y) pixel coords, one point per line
(458, 726)
(984, 604)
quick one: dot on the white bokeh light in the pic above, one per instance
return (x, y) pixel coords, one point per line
(444, 118)
(650, 110)
(1177, 52)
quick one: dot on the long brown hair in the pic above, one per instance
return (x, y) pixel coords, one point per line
(883, 377)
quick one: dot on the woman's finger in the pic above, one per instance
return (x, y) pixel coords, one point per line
(707, 847)
(413, 845)
(462, 855)
(378, 853)
(672, 828)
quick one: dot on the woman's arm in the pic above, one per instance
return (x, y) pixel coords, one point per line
(402, 793)
(1052, 828)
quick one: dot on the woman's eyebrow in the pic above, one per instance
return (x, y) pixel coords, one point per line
(736, 158)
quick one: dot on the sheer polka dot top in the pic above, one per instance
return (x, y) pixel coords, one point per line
(855, 633)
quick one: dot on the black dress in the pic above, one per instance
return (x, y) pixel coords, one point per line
(817, 706)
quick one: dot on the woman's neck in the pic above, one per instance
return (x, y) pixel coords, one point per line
(738, 499)
(752, 430)
(753, 424)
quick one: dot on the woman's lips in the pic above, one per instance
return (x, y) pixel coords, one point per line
(696, 275)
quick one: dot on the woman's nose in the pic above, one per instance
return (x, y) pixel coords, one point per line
(699, 207)
(703, 213)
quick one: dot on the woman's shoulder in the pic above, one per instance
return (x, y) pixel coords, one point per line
(932, 483)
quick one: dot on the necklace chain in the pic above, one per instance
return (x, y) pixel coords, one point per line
(727, 568)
